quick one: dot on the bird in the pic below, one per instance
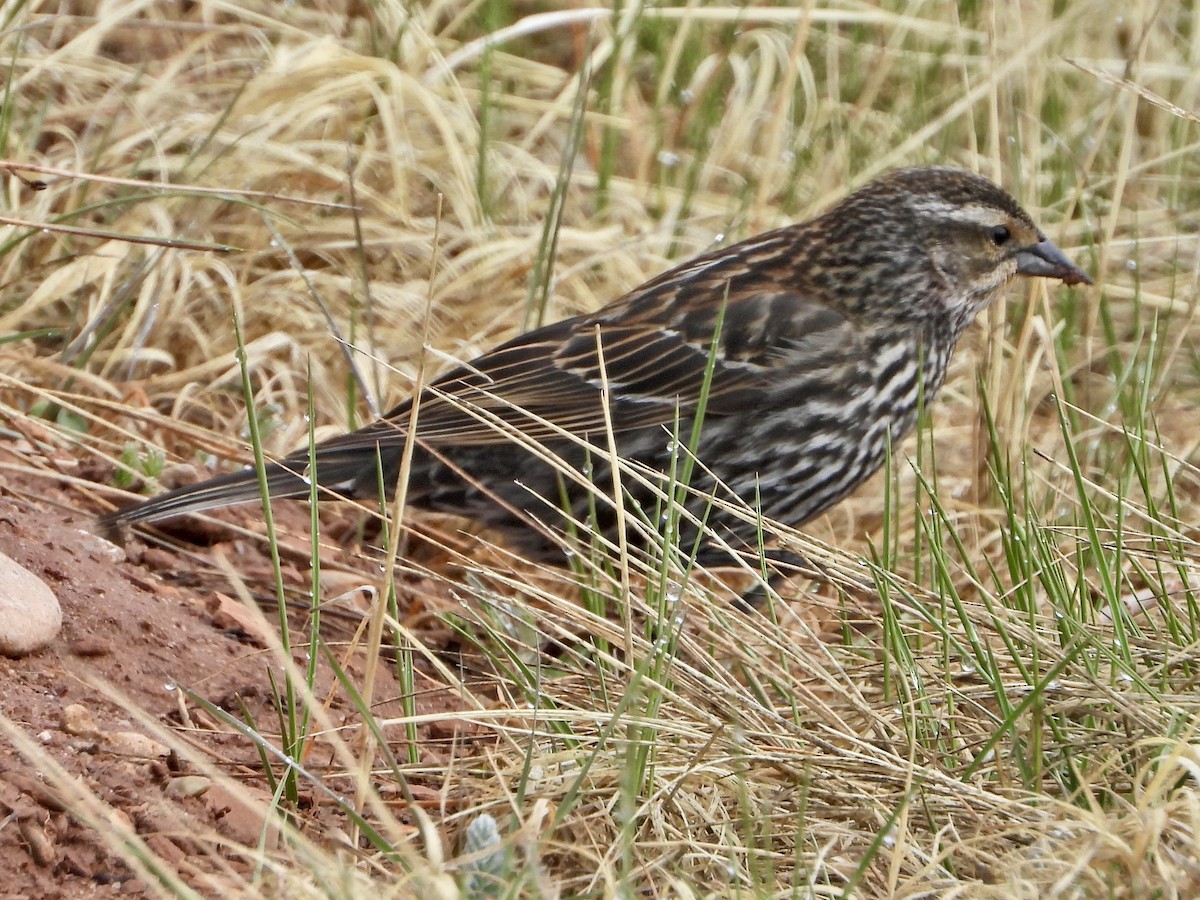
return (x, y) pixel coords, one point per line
(795, 358)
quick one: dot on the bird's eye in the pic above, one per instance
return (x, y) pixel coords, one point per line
(1000, 235)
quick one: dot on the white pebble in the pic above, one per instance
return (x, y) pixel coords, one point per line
(30, 616)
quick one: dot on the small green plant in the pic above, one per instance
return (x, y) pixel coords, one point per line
(139, 462)
(268, 418)
(64, 418)
(483, 874)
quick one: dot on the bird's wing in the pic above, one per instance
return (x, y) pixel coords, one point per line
(655, 350)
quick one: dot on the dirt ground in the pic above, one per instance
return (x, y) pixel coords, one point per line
(146, 620)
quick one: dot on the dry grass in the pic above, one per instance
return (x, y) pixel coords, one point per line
(1022, 724)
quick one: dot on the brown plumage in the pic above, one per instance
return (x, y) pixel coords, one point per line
(830, 329)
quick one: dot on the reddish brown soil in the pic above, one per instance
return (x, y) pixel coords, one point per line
(144, 621)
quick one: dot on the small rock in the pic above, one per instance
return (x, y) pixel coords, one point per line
(188, 786)
(38, 791)
(232, 616)
(38, 842)
(120, 819)
(30, 616)
(77, 720)
(166, 849)
(159, 817)
(132, 743)
(98, 547)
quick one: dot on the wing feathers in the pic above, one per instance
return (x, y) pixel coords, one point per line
(553, 374)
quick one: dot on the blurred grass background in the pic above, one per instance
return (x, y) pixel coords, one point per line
(1019, 720)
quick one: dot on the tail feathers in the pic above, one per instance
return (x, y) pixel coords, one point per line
(284, 481)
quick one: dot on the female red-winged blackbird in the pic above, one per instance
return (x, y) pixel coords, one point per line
(828, 331)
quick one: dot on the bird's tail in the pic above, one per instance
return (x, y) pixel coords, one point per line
(343, 469)
(284, 481)
(341, 474)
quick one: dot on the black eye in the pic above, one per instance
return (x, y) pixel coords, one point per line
(1000, 235)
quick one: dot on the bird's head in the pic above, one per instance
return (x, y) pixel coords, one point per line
(948, 240)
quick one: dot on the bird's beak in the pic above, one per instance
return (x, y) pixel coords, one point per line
(1047, 261)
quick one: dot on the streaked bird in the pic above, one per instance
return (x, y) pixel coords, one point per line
(829, 331)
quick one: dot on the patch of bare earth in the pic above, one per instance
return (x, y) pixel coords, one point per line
(144, 622)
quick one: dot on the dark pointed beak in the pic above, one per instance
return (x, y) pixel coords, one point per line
(1045, 260)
